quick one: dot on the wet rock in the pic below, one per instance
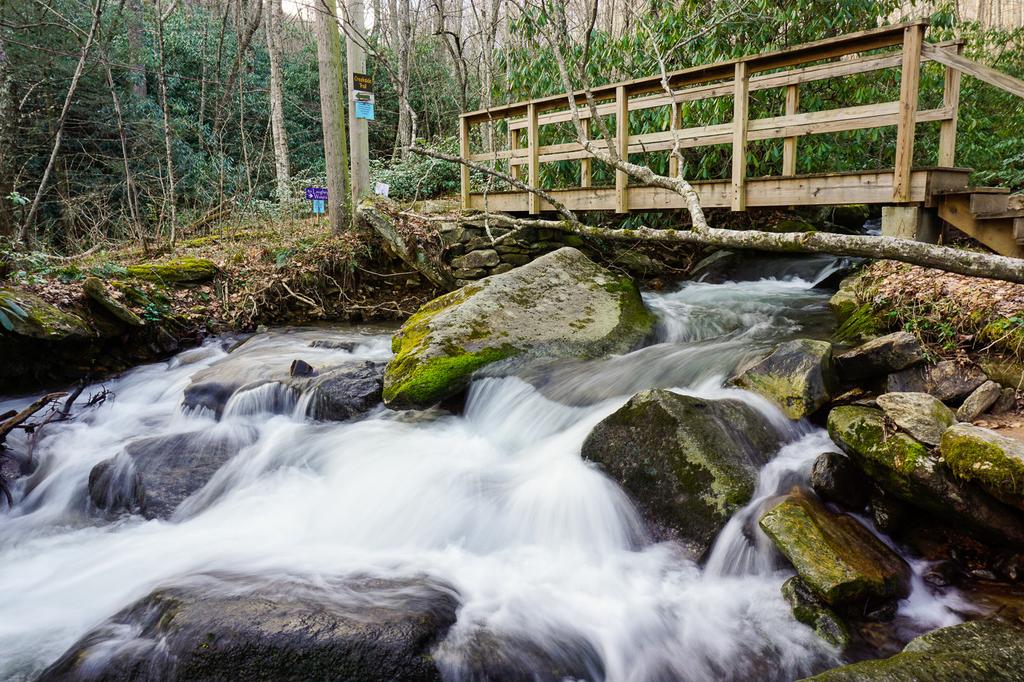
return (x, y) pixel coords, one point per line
(301, 368)
(836, 478)
(883, 355)
(976, 651)
(993, 461)
(176, 271)
(688, 463)
(373, 630)
(979, 401)
(333, 344)
(903, 467)
(887, 511)
(98, 292)
(797, 376)
(810, 610)
(947, 380)
(941, 574)
(344, 392)
(1006, 402)
(850, 216)
(842, 562)
(921, 415)
(152, 476)
(483, 655)
(559, 305)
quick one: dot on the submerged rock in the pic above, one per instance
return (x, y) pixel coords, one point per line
(979, 401)
(921, 415)
(976, 651)
(947, 380)
(836, 478)
(809, 610)
(177, 271)
(883, 355)
(993, 461)
(688, 463)
(559, 305)
(155, 475)
(903, 467)
(373, 630)
(343, 392)
(839, 559)
(797, 376)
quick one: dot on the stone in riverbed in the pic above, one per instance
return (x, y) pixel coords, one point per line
(839, 559)
(1007, 401)
(342, 392)
(688, 463)
(976, 651)
(886, 354)
(903, 467)
(947, 380)
(979, 401)
(809, 610)
(369, 629)
(921, 415)
(836, 478)
(559, 305)
(797, 376)
(993, 461)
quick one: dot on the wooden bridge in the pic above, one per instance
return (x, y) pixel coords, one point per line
(913, 197)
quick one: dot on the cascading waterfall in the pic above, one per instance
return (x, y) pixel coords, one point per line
(538, 544)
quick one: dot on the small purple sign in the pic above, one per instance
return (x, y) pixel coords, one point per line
(316, 194)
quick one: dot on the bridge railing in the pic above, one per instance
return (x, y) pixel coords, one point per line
(788, 68)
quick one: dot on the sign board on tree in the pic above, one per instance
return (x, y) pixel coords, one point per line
(316, 194)
(362, 82)
(362, 95)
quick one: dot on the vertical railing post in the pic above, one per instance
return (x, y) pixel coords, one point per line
(910, 78)
(585, 167)
(739, 137)
(947, 129)
(622, 147)
(464, 153)
(675, 116)
(533, 155)
(789, 143)
(513, 145)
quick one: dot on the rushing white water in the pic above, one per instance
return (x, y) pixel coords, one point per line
(497, 503)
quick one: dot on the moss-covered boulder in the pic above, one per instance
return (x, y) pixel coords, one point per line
(688, 463)
(110, 301)
(368, 629)
(559, 305)
(947, 380)
(34, 318)
(177, 271)
(882, 355)
(922, 415)
(809, 610)
(994, 461)
(905, 468)
(976, 651)
(797, 376)
(840, 560)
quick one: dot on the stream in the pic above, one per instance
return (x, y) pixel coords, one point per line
(537, 544)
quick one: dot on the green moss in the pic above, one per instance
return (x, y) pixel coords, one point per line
(43, 320)
(996, 462)
(860, 324)
(809, 611)
(891, 459)
(437, 378)
(178, 271)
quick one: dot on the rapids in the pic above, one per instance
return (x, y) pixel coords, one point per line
(496, 502)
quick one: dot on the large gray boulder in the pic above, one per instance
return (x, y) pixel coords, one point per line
(906, 469)
(921, 415)
(947, 380)
(559, 305)
(797, 376)
(153, 476)
(883, 355)
(688, 463)
(374, 630)
(993, 461)
(976, 651)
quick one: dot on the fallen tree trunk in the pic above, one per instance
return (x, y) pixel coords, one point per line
(406, 246)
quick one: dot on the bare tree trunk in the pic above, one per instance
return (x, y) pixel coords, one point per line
(97, 12)
(273, 20)
(171, 196)
(8, 126)
(129, 182)
(332, 110)
(136, 39)
(404, 137)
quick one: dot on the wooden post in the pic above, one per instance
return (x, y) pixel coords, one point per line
(585, 168)
(910, 78)
(739, 137)
(464, 153)
(622, 142)
(674, 124)
(947, 129)
(358, 130)
(533, 153)
(789, 143)
(513, 144)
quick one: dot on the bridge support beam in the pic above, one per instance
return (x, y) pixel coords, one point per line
(910, 222)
